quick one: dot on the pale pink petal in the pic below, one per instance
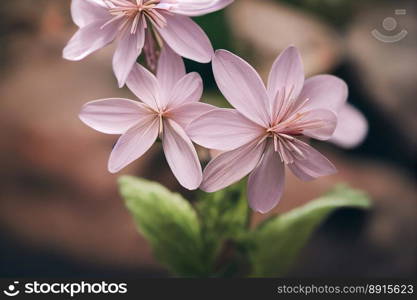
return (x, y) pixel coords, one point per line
(133, 144)
(324, 91)
(84, 12)
(319, 124)
(114, 115)
(286, 77)
(186, 38)
(194, 8)
(351, 129)
(300, 173)
(181, 155)
(88, 39)
(266, 182)
(229, 167)
(183, 115)
(171, 69)
(189, 89)
(242, 86)
(313, 165)
(144, 85)
(223, 129)
(128, 49)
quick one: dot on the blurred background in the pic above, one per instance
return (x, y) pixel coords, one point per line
(60, 212)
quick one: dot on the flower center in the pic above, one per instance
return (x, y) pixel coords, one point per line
(291, 119)
(132, 12)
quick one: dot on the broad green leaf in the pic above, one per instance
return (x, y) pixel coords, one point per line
(168, 222)
(275, 244)
(224, 216)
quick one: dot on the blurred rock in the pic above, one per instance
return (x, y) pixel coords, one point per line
(265, 28)
(388, 70)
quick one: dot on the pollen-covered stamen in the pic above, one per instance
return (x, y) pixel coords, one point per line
(134, 12)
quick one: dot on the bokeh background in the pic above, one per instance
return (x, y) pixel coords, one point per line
(60, 211)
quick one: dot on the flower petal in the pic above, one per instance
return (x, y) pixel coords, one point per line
(113, 115)
(186, 38)
(223, 129)
(181, 155)
(88, 39)
(300, 173)
(351, 129)
(229, 167)
(266, 182)
(326, 120)
(193, 8)
(313, 165)
(286, 76)
(324, 91)
(171, 69)
(128, 49)
(133, 144)
(144, 85)
(183, 115)
(84, 12)
(242, 86)
(189, 89)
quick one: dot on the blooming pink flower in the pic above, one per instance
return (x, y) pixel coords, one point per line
(169, 103)
(265, 131)
(139, 24)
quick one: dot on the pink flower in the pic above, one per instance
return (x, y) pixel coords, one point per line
(265, 131)
(140, 24)
(169, 103)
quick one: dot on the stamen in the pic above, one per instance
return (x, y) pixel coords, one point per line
(296, 149)
(156, 18)
(132, 13)
(275, 143)
(135, 24)
(300, 106)
(262, 139)
(286, 103)
(161, 125)
(288, 122)
(286, 136)
(280, 103)
(291, 120)
(287, 159)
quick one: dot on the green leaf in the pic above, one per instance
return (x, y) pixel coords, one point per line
(224, 216)
(168, 222)
(275, 244)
